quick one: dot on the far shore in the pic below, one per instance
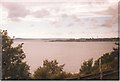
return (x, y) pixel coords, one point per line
(72, 39)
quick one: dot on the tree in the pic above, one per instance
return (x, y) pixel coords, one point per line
(86, 67)
(50, 70)
(109, 61)
(13, 66)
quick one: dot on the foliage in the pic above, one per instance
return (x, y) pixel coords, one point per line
(13, 66)
(109, 61)
(86, 67)
(50, 70)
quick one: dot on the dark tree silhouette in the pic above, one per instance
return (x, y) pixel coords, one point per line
(13, 66)
(86, 67)
(50, 70)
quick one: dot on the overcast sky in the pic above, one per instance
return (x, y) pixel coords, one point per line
(59, 18)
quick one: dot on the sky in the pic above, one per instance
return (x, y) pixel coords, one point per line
(59, 18)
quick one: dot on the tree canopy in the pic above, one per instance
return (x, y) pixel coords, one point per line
(13, 66)
(50, 70)
(86, 67)
(109, 62)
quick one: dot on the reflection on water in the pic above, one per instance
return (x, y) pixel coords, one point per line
(72, 54)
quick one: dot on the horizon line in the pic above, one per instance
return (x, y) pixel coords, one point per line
(66, 38)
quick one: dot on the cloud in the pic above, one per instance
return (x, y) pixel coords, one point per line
(64, 15)
(70, 24)
(97, 1)
(41, 13)
(112, 11)
(15, 10)
(68, 20)
(75, 18)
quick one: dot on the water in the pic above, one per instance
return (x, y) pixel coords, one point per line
(72, 54)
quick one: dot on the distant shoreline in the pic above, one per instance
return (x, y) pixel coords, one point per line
(74, 40)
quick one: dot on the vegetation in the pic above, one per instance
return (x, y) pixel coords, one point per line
(13, 66)
(109, 62)
(84, 40)
(50, 70)
(86, 67)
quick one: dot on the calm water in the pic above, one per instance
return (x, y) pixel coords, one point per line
(72, 54)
